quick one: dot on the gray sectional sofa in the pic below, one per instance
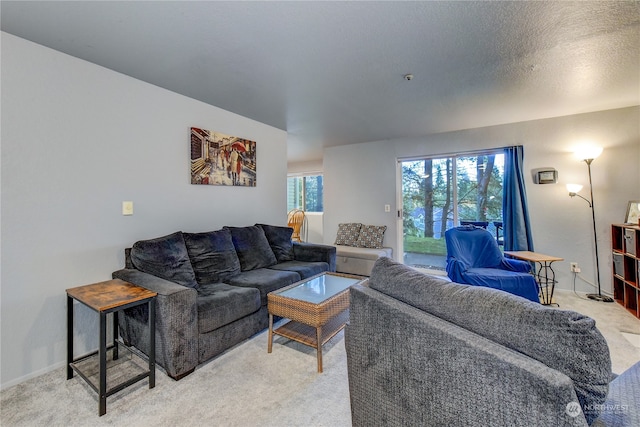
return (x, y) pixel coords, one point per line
(212, 288)
(425, 351)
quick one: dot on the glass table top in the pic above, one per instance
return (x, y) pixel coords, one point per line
(318, 289)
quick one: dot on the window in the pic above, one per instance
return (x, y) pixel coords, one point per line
(442, 192)
(305, 192)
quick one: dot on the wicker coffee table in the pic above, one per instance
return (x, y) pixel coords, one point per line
(318, 308)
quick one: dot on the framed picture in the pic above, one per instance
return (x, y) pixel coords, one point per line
(633, 212)
(219, 159)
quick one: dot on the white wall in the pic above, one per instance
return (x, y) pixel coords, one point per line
(310, 167)
(361, 178)
(77, 140)
(314, 232)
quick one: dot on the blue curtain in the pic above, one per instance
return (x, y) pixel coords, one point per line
(517, 227)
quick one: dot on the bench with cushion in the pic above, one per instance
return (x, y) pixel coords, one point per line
(353, 260)
(358, 246)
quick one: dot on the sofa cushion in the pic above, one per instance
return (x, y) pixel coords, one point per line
(165, 257)
(265, 280)
(220, 304)
(563, 340)
(371, 236)
(304, 268)
(252, 247)
(348, 233)
(279, 239)
(212, 255)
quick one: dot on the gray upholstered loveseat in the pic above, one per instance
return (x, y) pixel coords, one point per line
(425, 351)
(212, 288)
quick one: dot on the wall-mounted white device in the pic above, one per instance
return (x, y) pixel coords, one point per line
(545, 176)
(127, 208)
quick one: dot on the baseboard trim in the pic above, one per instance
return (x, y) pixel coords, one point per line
(31, 375)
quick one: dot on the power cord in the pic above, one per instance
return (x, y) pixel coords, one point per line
(577, 275)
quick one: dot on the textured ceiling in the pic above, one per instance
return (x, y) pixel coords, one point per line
(331, 73)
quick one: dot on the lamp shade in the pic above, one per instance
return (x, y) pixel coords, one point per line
(574, 188)
(587, 152)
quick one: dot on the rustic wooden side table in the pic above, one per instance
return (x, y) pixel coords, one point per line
(104, 298)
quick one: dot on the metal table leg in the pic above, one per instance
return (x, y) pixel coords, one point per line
(547, 277)
(152, 343)
(102, 354)
(115, 335)
(69, 337)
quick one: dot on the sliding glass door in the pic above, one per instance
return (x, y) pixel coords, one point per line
(442, 192)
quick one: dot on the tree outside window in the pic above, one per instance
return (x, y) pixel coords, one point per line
(305, 193)
(440, 192)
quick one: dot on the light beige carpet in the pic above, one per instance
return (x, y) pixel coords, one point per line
(248, 387)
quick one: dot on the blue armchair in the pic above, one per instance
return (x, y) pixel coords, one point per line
(474, 258)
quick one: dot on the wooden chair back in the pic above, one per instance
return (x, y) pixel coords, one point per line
(295, 220)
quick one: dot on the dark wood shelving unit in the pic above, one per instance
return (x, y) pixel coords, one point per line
(625, 245)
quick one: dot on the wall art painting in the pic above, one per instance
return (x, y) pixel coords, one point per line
(219, 159)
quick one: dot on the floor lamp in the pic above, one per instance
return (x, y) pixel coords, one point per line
(588, 154)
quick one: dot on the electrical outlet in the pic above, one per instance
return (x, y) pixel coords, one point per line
(574, 267)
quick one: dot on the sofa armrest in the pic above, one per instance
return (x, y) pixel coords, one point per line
(455, 268)
(516, 265)
(436, 373)
(313, 252)
(621, 407)
(176, 322)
